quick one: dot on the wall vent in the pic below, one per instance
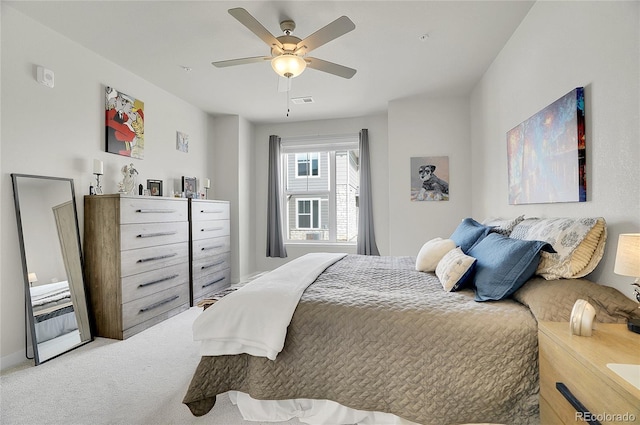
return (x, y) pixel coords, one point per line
(302, 100)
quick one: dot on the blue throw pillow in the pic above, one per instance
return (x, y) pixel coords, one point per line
(504, 265)
(468, 233)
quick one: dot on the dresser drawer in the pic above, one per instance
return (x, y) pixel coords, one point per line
(557, 365)
(152, 210)
(208, 284)
(209, 247)
(141, 260)
(133, 236)
(203, 211)
(147, 283)
(203, 266)
(140, 310)
(210, 229)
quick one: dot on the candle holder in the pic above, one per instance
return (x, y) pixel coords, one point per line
(98, 188)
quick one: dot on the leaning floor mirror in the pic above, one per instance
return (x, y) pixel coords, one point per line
(55, 296)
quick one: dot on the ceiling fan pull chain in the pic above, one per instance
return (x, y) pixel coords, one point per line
(288, 101)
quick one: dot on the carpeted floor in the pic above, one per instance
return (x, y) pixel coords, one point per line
(141, 380)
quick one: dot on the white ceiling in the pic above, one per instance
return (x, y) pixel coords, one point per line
(156, 39)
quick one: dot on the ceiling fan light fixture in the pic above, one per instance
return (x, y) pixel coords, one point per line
(288, 65)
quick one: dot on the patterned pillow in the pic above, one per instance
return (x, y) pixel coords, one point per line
(455, 270)
(503, 226)
(432, 252)
(579, 244)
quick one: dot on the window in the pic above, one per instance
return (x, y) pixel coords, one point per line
(307, 164)
(321, 187)
(308, 213)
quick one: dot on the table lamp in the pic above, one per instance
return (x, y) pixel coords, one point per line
(628, 264)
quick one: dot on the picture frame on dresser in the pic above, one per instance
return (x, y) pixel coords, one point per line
(154, 187)
(189, 187)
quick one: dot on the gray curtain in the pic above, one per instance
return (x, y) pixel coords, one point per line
(275, 241)
(366, 236)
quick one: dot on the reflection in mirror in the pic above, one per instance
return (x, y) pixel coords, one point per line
(56, 300)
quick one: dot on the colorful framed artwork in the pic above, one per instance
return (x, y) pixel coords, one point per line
(182, 142)
(124, 120)
(430, 178)
(547, 154)
(154, 187)
(189, 187)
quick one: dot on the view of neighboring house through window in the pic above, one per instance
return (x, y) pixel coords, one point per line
(321, 189)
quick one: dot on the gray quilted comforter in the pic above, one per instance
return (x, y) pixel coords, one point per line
(371, 333)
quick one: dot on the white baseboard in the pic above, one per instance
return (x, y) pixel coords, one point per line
(12, 360)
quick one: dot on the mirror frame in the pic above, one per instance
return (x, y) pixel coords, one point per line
(25, 273)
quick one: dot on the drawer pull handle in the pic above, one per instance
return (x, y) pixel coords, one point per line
(214, 282)
(159, 303)
(212, 211)
(159, 257)
(142, 285)
(580, 408)
(208, 266)
(205, 248)
(211, 229)
(150, 211)
(153, 235)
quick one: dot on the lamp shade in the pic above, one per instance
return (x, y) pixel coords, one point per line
(628, 255)
(32, 277)
(288, 65)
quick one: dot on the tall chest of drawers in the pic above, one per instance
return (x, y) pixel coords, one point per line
(136, 256)
(210, 247)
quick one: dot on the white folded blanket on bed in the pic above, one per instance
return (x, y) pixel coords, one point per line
(254, 319)
(47, 293)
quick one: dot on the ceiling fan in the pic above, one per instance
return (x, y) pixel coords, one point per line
(288, 52)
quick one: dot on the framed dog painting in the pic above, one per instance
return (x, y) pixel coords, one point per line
(430, 178)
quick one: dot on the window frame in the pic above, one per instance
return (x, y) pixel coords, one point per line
(317, 145)
(313, 210)
(309, 160)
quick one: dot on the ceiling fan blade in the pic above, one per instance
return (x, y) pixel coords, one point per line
(254, 26)
(330, 67)
(241, 61)
(335, 29)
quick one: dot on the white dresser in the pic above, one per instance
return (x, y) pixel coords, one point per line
(210, 247)
(136, 260)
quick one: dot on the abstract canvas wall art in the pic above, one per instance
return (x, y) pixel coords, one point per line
(547, 154)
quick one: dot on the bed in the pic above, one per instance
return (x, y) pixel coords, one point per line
(53, 311)
(374, 335)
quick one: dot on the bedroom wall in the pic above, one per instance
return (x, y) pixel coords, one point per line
(232, 181)
(421, 127)
(560, 46)
(60, 131)
(377, 126)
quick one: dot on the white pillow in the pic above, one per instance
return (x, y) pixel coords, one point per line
(455, 269)
(432, 252)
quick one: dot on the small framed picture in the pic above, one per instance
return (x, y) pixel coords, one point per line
(154, 187)
(189, 187)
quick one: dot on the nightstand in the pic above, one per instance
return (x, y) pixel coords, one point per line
(574, 373)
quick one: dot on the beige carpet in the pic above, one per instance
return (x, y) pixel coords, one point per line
(141, 380)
